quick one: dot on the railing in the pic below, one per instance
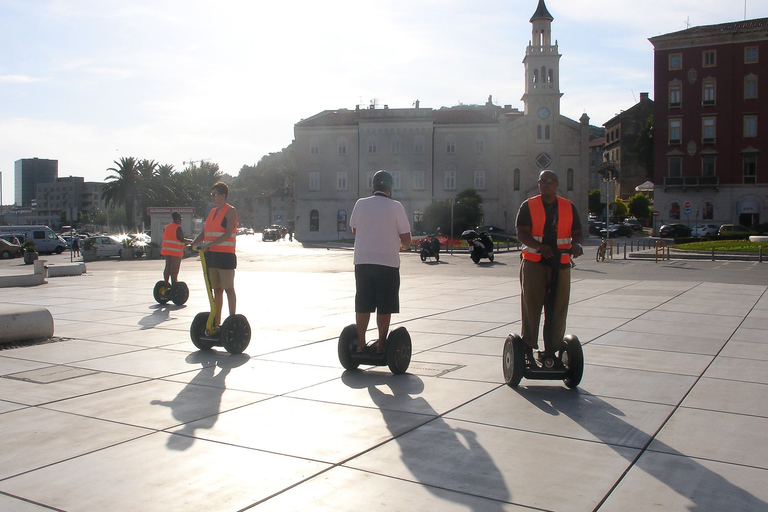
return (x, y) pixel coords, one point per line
(691, 181)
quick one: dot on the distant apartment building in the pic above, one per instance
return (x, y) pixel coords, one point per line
(434, 154)
(710, 151)
(67, 199)
(595, 160)
(621, 151)
(28, 173)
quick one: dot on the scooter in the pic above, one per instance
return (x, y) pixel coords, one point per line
(430, 248)
(397, 354)
(567, 364)
(480, 245)
(177, 292)
(234, 333)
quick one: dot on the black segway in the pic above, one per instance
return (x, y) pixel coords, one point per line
(234, 333)
(397, 355)
(178, 292)
(567, 364)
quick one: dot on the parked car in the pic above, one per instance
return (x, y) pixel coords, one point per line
(705, 230)
(736, 230)
(107, 246)
(13, 239)
(633, 223)
(271, 234)
(617, 230)
(595, 227)
(9, 250)
(674, 231)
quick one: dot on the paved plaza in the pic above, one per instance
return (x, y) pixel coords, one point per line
(120, 412)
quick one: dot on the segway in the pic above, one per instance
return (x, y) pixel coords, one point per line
(177, 292)
(566, 364)
(234, 333)
(397, 354)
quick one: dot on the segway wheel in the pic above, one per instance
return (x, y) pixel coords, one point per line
(347, 345)
(235, 334)
(490, 257)
(179, 293)
(160, 292)
(423, 255)
(197, 331)
(513, 360)
(399, 350)
(573, 360)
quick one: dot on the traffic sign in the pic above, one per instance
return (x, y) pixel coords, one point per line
(687, 204)
(687, 211)
(655, 213)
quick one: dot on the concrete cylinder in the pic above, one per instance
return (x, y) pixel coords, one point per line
(22, 323)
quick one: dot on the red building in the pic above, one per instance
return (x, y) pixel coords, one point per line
(710, 150)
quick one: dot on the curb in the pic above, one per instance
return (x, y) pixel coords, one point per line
(22, 323)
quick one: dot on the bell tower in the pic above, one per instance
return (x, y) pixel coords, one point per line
(542, 72)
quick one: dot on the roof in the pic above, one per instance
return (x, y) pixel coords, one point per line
(541, 12)
(722, 29)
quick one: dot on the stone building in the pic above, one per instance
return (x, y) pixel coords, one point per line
(436, 153)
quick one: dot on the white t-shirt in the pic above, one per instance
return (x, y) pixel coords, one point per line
(378, 222)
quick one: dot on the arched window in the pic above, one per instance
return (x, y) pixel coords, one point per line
(569, 179)
(674, 211)
(341, 220)
(516, 179)
(550, 77)
(314, 220)
(707, 211)
(535, 76)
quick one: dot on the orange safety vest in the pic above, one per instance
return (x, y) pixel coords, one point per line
(564, 226)
(213, 230)
(172, 246)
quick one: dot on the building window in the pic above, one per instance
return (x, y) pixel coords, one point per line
(708, 94)
(674, 211)
(675, 167)
(516, 179)
(342, 147)
(372, 146)
(708, 58)
(479, 147)
(418, 180)
(707, 211)
(676, 61)
(450, 180)
(418, 146)
(341, 180)
(708, 130)
(750, 55)
(314, 150)
(538, 133)
(450, 146)
(750, 126)
(314, 180)
(750, 169)
(418, 219)
(479, 182)
(341, 220)
(675, 94)
(750, 87)
(396, 179)
(546, 132)
(396, 146)
(569, 180)
(708, 165)
(675, 130)
(314, 220)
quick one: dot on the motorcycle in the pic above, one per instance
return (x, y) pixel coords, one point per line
(429, 248)
(480, 245)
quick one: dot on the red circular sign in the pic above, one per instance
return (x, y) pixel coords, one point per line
(655, 213)
(687, 204)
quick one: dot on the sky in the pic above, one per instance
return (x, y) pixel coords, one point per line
(87, 82)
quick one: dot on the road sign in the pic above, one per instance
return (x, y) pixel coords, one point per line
(687, 211)
(687, 204)
(655, 213)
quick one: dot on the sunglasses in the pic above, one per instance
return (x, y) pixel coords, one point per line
(547, 181)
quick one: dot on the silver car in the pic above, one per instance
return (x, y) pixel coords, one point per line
(705, 230)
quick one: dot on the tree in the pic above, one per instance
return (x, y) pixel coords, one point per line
(643, 147)
(438, 215)
(595, 206)
(123, 187)
(468, 212)
(147, 192)
(640, 206)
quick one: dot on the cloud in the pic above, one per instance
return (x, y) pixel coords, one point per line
(19, 79)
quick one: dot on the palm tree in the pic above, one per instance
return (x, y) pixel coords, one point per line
(146, 187)
(123, 187)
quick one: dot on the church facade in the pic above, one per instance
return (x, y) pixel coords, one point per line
(436, 153)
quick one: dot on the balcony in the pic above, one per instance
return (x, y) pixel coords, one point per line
(694, 182)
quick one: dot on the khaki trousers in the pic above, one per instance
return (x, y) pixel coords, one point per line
(534, 279)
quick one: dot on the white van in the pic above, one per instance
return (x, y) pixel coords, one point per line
(43, 236)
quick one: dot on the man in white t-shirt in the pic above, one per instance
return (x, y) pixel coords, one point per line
(381, 230)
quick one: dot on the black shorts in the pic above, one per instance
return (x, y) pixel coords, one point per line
(377, 289)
